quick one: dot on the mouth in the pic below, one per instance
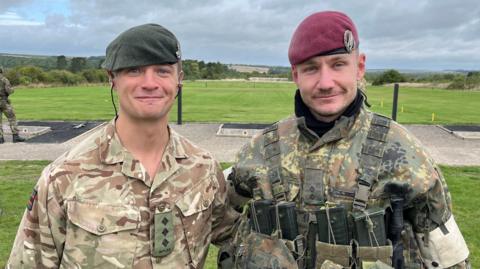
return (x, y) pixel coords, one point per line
(325, 96)
(147, 98)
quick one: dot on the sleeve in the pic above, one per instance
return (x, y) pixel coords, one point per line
(428, 201)
(8, 87)
(248, 173)
(225, 218)
(41, 234)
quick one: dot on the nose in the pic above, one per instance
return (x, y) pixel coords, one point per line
(325, 79)
(149, 80)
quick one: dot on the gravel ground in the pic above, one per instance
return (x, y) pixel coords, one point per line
(446, 147)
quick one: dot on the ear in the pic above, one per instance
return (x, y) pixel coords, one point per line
(361, 66)
(111, 77)
(180, 78)
(294, 73)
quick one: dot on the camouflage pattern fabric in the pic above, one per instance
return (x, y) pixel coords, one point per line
(263, 251)
(5, 106)
(334, 161)
(94, 207)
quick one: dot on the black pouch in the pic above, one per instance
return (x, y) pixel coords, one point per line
(369, 227)
(332, 225)
(286, 215)
(260, 217)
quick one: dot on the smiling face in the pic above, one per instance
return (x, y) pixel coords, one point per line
(328, 84)
(147, 93)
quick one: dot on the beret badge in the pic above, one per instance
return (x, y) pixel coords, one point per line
(348, 41)
(178, 53)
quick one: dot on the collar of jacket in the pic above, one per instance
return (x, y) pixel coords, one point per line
(112, 151)
(344, 127)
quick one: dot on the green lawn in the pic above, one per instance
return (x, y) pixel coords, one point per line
(18, 177)
(220, 101)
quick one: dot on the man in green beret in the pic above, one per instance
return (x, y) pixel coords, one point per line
(336, 185)
(135, 194)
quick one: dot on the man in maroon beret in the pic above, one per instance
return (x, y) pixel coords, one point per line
(337, 185)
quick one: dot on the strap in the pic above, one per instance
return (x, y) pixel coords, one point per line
(273, 162)
(371, 159)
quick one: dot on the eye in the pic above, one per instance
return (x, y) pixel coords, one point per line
(339, 64)
(164, 70)
(310, 69)
(133, 71)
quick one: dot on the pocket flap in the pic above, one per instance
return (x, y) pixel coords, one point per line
(199, 198)
(100, 219)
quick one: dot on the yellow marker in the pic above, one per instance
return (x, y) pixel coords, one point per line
(402, 109)
(381, 103)
(433, 116)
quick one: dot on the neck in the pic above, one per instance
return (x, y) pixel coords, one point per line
(321, 125)
(325, 119)
(145, 140)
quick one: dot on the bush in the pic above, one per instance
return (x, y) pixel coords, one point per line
(95, 75)
(65, 77)
(389, 76)
(457, 84)
(26, 75)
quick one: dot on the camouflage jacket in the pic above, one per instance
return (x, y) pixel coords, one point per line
(5, 88)
(334, 162)
(96, 207)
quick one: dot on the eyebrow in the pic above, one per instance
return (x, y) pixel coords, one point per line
(333, 58)
(339, 57)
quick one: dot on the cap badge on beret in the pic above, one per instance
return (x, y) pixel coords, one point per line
(348, 41)
(178, 53)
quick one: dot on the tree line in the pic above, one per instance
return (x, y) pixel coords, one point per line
(78, 70)
(27, 70)
(467, 80)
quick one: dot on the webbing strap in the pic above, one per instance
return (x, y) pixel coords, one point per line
(272, 162)
(371, 159)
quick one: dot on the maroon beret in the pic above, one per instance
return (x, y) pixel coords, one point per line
(322, 33)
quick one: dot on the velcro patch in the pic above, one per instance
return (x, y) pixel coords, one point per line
(32, 199)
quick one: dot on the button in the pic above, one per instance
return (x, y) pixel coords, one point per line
(101, 228)
(161, 207)
(205, 203)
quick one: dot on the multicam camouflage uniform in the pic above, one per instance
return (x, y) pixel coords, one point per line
(5, 106)
(96, 207)
(330, 166)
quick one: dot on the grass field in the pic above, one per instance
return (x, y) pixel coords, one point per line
(222, 101)
(17, 179)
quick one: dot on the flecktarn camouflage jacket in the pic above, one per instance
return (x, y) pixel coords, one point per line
(326, 169)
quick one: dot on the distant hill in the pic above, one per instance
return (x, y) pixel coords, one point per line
(8, 60)
(248, 68)
(46, 62)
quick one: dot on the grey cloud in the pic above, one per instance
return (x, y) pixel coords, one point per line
(5, 5)
(415, 32)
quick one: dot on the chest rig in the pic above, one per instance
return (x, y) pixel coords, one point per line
(328, 231)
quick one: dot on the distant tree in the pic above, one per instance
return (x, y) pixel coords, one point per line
(62, 62)
(26, 75)
(389, 76)
(65, 77)
(100, 63)
(95, 75)
(78, 64)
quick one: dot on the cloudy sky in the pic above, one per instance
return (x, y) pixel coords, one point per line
(401, 34)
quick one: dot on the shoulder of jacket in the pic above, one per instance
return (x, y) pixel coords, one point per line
(190, 149)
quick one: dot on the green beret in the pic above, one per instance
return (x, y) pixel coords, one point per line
(142, 45)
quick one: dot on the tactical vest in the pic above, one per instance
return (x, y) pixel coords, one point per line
(314, 230)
